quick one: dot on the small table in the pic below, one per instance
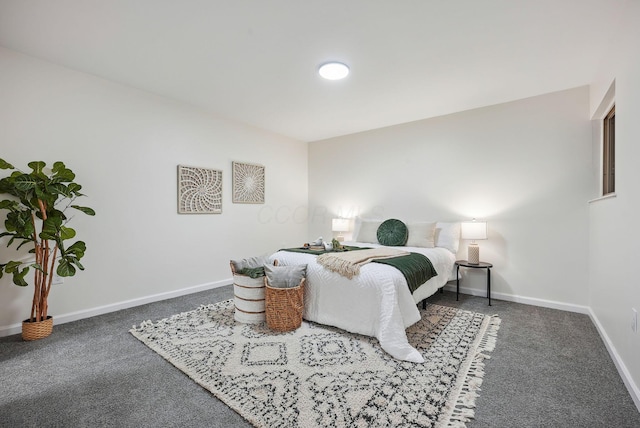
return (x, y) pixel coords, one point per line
(481, 265)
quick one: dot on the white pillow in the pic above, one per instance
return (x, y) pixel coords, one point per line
(448, 236)
(366, 230)
(421, 234)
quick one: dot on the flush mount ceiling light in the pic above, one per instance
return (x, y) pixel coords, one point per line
(333, 70)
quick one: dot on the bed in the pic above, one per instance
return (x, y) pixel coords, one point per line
(377, 302)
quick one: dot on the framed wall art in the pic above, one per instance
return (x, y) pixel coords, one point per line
(248, 183)
(199, 190)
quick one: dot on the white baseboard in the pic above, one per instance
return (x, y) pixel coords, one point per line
(521, 299)
(633, 389)
(100, 310)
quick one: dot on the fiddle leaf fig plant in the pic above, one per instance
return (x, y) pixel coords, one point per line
(36, 206)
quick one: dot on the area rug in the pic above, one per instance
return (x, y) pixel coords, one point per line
(319, 376)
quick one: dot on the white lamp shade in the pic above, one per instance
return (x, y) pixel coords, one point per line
(340, 225)
(473, 230)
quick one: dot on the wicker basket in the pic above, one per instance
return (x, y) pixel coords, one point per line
(37, 330)
(284, 306)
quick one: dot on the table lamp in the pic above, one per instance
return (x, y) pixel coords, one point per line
(340, 225)
(473, 230)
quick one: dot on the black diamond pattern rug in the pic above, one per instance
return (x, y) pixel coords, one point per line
(319, 376)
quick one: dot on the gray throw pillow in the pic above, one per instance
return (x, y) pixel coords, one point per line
(251, 262)
(285, 276)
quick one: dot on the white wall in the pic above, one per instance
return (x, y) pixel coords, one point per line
(124, 146)
(524, 166)
(613, 241)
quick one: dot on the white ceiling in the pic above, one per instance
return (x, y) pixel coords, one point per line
(255, 61)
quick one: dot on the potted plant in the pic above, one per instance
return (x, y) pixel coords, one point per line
(36, 217)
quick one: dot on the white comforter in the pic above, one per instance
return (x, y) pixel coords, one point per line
(377, 302)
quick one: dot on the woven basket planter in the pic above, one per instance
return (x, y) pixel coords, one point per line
(284, 306)
(248, 298)
(32, 330)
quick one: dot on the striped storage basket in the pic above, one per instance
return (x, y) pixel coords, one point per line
(248, 297)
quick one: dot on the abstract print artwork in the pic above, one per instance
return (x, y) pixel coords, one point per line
(248, 183)
(199, 190)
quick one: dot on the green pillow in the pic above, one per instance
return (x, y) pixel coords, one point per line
(393, 233)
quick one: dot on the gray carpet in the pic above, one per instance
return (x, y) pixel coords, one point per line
(549, 369)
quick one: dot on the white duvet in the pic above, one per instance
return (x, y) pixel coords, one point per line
(377, 302)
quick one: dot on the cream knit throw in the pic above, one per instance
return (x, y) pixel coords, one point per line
(348, 263)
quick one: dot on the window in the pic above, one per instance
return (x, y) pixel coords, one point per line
(609, 152)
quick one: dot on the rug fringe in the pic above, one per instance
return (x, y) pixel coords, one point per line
(488, 342)
(149, 323)
(463, 409)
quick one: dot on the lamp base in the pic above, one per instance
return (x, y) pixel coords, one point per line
(473, 254)
(340, 238)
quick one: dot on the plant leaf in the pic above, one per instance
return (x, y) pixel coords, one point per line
(18, 277)
(12, 266)
(51, 228)
(86, 210)
(8, 205)
(75, 189)
(61, 173)
(67, 233)
(24, 242)
(65, 268)
(5, 165)
(77, 249)
(60, 189)
(37, 167)
(58, 166)
(37, 266)
(25, 182)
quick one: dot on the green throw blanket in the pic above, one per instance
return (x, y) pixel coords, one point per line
(416, 268)
(255, 272)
